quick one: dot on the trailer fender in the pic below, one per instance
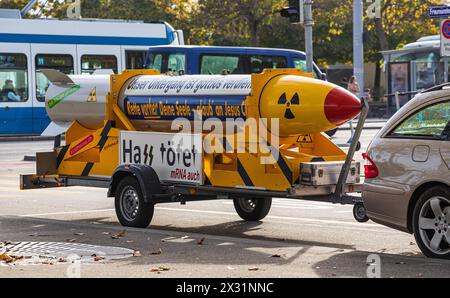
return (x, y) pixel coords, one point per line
(146, 176)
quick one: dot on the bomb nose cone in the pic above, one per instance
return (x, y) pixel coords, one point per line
(341, 106)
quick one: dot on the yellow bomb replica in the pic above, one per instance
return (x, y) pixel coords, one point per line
(120, 135)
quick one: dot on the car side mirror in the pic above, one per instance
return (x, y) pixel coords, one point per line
(323, 77)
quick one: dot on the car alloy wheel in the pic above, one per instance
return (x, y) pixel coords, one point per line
(434, 221)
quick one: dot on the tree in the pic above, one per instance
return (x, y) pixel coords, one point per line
(16, 4)
(236, 22)
(401, 22)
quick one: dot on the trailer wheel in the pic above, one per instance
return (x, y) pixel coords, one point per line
(360, 213)
(131, 209)
(253, 209)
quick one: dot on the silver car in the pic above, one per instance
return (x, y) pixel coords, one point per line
(407, 171)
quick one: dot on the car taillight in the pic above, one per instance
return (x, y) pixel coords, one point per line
(370, 168)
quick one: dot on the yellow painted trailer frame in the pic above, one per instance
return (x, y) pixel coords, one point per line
(91, 158)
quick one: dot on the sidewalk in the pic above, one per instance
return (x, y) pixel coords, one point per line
(370, 124)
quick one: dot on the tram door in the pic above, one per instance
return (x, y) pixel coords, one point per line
(16, 108)
(58, 57)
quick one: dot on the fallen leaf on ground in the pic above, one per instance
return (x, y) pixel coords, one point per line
(98, 259)
(253, 269)
(120, 235)
(163, 268)
(201, 241)
(160, 269)
(6, 258)
(129, 241)
(71, 240)
(155, 253)
(47, 263)
(137, 253)
(106, 233)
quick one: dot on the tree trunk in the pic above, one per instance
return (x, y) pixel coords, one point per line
(377, 86)
(384, 46)
(382, 35)
(253, 27)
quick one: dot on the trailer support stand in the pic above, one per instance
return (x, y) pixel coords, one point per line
(339, 197)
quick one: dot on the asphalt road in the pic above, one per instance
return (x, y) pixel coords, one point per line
(201, 239)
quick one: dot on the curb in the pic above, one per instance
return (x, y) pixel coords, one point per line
(365, 128)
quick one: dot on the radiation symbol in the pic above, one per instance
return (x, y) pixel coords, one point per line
(92, 96)
(295, 100)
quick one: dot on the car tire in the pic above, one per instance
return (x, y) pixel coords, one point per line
(131, 208)
(253, 209)
(431, 220)
(332, 132)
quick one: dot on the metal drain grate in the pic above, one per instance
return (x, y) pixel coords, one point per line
(64, 250)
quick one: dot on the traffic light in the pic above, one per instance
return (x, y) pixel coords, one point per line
(292, 12)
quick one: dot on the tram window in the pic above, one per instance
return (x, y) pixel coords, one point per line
(259, 63)
(135, 59)
(63, 63)
(13, 78)
(90, 63)
(213, 64)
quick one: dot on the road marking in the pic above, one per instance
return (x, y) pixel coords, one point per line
(67, 213)
(324, 221)
(302, 219)
(9, 182)
(52, 191)
(299, 205)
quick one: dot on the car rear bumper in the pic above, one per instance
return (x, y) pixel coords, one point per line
(387, 204)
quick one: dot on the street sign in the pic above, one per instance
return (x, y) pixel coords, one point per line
(445, 38)
(439, 12)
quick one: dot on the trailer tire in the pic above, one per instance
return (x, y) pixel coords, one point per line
(252, 209)
(360, 213)
(332, 132)
(131, 208)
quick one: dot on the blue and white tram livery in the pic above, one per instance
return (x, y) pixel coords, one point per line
(72, 47)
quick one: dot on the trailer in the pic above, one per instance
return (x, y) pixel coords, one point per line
(144, 167)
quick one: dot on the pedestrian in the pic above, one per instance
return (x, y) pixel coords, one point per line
(344, 83)
(353, 86)
(368, 95)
